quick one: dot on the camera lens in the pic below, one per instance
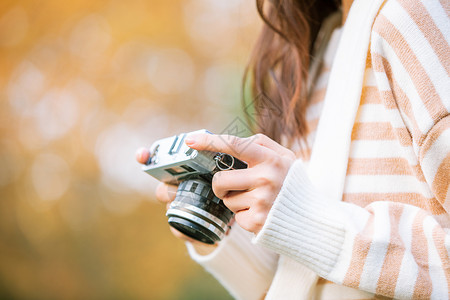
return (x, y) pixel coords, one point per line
(198, 213)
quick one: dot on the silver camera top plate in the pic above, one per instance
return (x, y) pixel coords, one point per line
(171, 160)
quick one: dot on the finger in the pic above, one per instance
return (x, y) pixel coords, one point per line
(237, 201)
(234, 180)
(181, 236)
(242, 148)
(166, 192)
(142, 155)
(250, 220)
(200, 248)
(267, 142)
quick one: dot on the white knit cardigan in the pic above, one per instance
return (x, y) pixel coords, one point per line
(325, 172)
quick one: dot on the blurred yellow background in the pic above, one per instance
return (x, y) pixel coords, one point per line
(83, 84)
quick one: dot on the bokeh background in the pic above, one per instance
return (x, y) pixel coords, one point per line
(83, 84)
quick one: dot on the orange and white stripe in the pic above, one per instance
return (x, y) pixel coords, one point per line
(399, 162)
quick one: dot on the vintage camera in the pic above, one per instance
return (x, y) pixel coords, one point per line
(196, 211)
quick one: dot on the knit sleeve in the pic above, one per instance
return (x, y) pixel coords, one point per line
(387, 248)
(244, 269)
(391, 248)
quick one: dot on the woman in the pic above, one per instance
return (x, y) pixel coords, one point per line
(361, 208)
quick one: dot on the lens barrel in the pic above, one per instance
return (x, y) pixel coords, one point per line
(198, 213)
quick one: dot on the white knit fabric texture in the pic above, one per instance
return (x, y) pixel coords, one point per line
(256, 265)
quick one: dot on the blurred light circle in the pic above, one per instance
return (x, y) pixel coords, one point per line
(50, 175)
(50, 54)
(25, 87)
(29, 136)
(90, 37)
(56, 113)
(221, 83)
(92, 124)
(115, 151)
(87, 93)
(170, 71)
(130, 61)
(214, 25)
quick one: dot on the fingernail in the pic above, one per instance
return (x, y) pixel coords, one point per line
(190, 140)
(142, 155)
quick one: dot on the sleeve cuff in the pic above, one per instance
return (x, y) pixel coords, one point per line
(244, 269)
(303, 224)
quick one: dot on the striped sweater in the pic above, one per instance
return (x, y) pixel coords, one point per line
(390, 234)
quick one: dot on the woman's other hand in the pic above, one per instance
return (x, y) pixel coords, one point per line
(165, 193)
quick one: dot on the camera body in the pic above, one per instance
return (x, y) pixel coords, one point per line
(196, 211)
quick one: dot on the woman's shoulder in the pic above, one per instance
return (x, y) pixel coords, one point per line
(410, 53)
(428, 17)
(414, 30)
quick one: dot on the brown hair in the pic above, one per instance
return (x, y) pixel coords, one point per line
(278, 67)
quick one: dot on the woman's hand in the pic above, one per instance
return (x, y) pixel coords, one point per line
(250, 192)
(165, 193)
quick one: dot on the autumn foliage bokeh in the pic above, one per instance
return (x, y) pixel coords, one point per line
(82, 85)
